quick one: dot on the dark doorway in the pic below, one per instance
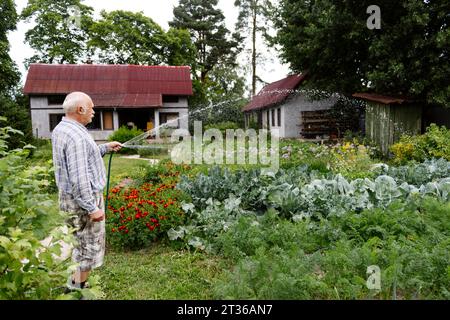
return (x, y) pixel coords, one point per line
(139, 117)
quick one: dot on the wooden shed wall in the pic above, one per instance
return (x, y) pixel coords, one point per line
(386, 123)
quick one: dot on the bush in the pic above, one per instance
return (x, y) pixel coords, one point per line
(29, 267)
(18, 118)
(435, 143)
(152, 151)
(123, 134)
(138, 216)
(222, 126)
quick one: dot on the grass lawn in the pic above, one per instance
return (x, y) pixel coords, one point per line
(158, 272)
(122, 167)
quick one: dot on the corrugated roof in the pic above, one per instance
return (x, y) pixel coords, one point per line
(275, 92)
(381, 99)
(111, 85)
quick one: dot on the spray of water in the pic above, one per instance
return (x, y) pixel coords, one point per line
(139, 142)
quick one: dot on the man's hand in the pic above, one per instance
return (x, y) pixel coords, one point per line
(97, 216)
(114, 146)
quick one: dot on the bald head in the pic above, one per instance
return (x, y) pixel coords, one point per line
(74, 100)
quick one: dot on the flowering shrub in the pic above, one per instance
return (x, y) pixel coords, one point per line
(435, 143)
(351, 159)
(138, 216)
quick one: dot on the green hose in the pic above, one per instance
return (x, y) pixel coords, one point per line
(107, 182)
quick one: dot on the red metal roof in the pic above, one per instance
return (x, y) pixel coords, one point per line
(380, 98)
(111, 85)
(275, 92)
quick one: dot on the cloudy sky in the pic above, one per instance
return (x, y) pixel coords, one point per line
(159, 10)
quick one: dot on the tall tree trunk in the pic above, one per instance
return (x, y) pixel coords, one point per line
(254, 51)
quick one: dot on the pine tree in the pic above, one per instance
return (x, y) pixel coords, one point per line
(253, 19)
(212, 39)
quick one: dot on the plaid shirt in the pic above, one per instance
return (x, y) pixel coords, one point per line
(79, 167)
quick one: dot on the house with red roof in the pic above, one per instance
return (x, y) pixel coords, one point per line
(285, 106)
(131, 95)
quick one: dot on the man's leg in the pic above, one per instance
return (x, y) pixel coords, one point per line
(79, 278)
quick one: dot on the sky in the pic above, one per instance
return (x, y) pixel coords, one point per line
(161, 12)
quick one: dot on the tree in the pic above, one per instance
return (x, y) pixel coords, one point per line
(124, 37)
(9, 75)
(179, 49)
(253, 18)
(18, 114)
(60, 34)
(407, 56)
(209, 34)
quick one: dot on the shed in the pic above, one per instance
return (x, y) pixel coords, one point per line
(388, 118)
(284, 106)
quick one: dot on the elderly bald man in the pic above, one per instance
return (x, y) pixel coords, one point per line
(80, 177)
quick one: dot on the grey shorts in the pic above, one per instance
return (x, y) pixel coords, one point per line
(90, 249)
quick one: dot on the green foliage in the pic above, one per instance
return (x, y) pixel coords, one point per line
(220, 197)
(29, 269)
(218, 113)
(153, 151)
(223, 126)
(347, 114)
(55, 38)
(9, 75)
(123, 134)
(207, 28)
(124, 37)
(139, 216)
(351, 159)
(418, 174)
(328, 259)
(179, 50)
(18, 117)
(435, 143)
(407, 56)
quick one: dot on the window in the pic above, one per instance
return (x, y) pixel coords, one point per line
(56, 100)
(54, 119)
(268, 118)
(108, 120)
(170, 118)
(170, 99)
(273, 117)
(279, 116)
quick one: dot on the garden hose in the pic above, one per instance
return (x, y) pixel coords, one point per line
(109, 168)
(107, 182)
